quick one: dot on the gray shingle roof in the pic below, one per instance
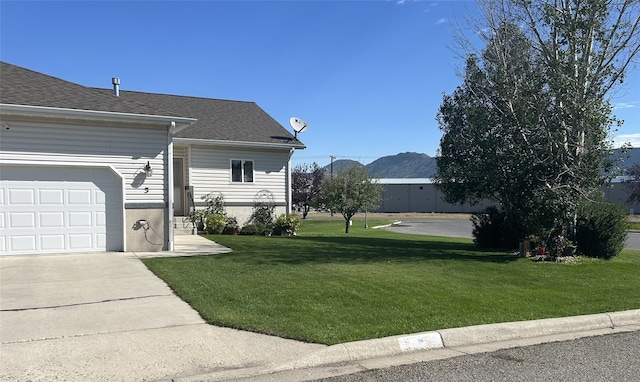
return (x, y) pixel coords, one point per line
(218, 120)
(20, 86)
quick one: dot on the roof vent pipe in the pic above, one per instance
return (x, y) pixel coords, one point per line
(116, 86)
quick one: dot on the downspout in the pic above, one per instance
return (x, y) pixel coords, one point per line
(169, 185)
(288, 190)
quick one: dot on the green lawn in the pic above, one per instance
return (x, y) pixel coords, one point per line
(329, 287)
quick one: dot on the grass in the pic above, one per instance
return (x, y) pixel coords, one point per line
(329, 287)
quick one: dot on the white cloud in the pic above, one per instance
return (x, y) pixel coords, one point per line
(624, 105)
(621, 139)
(442, 21)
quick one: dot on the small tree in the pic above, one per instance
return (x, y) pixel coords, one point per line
(306, 186)
(350, 191)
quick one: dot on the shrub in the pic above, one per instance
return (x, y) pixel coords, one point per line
(255, 229)
(492, 229)
(286, 224)
(487, 228)
(215, 223)
(262, 215)
(231, 226)
(197, 218)
(601, 230)
(214, 204)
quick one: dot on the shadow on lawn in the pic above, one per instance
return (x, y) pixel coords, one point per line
(321, 249)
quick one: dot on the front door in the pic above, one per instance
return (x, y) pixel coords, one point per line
(178, 187)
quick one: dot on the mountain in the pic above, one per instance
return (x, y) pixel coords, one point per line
(417, 165)
(630, 158)
(403, 165)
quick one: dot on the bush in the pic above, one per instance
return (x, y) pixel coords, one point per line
(286, 224)
(231, 226)
(215, 223)
(255, 229)
(492, 229)
(487, 228)
(262, 215)
(601, 230)
(214, 204)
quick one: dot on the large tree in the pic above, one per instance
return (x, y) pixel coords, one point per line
(633, 173)
(528, 127)
(306, 186)
(350, 191)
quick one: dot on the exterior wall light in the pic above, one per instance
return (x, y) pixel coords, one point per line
(148, 171)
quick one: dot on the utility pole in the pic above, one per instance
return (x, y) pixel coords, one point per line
(332, 158)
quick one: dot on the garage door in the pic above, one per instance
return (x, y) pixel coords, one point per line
(59, 209)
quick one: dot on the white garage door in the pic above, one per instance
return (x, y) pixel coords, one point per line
(59, 209)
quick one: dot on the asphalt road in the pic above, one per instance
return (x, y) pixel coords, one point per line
(457, 227)
(614, 357)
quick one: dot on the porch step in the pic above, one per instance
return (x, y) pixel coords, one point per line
(182, 226)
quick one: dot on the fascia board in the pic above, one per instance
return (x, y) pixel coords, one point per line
(106, 116)
(213, 142)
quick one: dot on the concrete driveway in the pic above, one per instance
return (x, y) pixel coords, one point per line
(105, 316)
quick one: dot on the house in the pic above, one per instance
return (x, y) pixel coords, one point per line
(85, 169)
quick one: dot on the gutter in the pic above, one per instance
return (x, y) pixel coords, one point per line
(94, 115)
(214, 142)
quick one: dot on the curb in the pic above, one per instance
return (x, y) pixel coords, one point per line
(465, 336)
(395, 222)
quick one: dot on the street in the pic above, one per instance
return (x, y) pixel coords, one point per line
(462, 228)
(614, 357)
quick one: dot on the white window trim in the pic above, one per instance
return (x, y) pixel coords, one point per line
(242, 162)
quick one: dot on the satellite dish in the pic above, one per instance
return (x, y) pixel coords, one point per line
(297, 125)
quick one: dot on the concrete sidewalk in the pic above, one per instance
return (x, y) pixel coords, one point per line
(105, 316)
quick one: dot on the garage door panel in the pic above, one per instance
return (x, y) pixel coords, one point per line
(22, 196)
(80, 242)
(18, 220)
(51, 197)
(80, 197)
(52, 242)
(80, 219)
(100, 219)
(25, 243)
(52, 219)
(59, 209)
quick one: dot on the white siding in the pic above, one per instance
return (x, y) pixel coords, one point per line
(127, 149)
(211, 172)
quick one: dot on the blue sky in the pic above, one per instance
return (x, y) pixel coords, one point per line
(368, 76)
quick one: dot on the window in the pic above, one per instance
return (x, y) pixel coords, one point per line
(241, 171)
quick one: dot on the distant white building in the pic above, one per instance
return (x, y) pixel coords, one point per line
(421, 195)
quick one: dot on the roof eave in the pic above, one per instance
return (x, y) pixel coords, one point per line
(63, 113)
(214, 142)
